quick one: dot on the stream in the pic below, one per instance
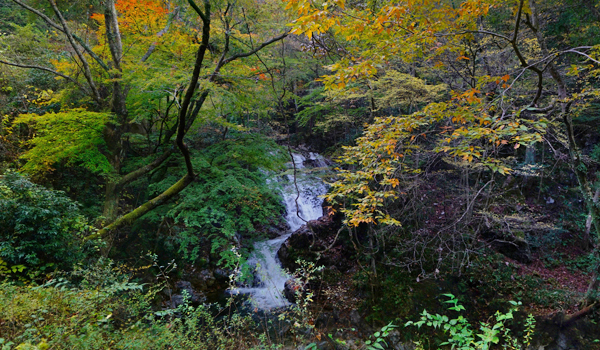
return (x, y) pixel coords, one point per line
(302, 202)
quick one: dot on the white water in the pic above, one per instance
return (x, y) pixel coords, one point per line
(301, 205)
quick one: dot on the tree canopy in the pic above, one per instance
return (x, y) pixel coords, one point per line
(461, 136)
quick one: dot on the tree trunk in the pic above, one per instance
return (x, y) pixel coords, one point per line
(111, 202)
(576, 163)
(587, 238)
(130, 217)
(190, 108)
(113, 132)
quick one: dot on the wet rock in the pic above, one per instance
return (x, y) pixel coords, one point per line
(290, 288)
(552, 334)
(315, 236)
(355, 318)
(303, 238)
(514, 248)
(316, 163)
(203, 280)
(221, 275)
(195, 296)
(324, 226)
(167, 292)
(275, 230)
(174, 301)
(295, 247)
(185, 290)
(394, 340)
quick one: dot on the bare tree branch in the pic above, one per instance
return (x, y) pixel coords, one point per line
(86, 71)
(71, 79)
(113, 34)
(54, 25)
(583, 54)
(518, 21)
(145, 169)
(258, 48)
(159, 34)
(113, 38)
(227, 36)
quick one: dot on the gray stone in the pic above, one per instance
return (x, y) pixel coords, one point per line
(185, 287)
(290, 288)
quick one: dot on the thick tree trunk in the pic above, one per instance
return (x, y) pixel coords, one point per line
(182, 127)
(587, 238)
(112, 138)
(111, 202)
(113, 135)
(190, 108)
(113, 37)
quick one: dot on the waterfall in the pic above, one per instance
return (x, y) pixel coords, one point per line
(302, 203)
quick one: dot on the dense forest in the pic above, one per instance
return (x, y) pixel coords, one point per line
(300, 174)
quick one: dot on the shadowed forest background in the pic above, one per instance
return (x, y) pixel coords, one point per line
(146, 147)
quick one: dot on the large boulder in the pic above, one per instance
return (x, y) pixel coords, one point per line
(318, 241)
(183, 290)
(296, 247)
(275, 229)
(203, 280)
(290, 289)
(305, 242)
(209, 281)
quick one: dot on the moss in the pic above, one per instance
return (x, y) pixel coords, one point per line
(129, 218)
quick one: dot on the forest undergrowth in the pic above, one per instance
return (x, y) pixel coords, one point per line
(142, 144)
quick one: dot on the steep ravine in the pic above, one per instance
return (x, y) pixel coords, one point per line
(301, 190)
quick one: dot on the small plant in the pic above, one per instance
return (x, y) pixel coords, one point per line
(464, 337)
(299, 315)
(376, 341)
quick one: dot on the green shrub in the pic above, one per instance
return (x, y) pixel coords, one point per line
(106, 309)
(230, 197)
(462, 335)
(39, 228)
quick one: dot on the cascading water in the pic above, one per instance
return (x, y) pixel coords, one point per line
(302, 203)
